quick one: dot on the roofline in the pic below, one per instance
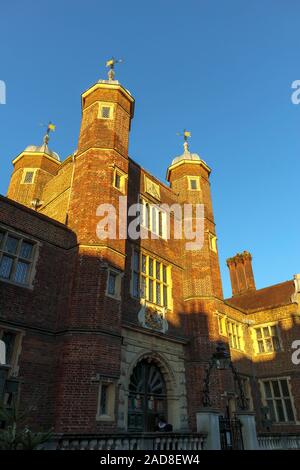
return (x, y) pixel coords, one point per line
(25, 153)
(259, 290)
(186, 161)
(113, 86)
(44, 217)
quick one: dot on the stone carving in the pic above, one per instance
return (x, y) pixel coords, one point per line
(152, 188)
(152, 318)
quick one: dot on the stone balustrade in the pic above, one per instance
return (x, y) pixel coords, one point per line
(278, 442)
(131, 441)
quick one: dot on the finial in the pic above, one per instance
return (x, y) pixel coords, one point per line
(50, 127)
(186, 134)
(111, 64)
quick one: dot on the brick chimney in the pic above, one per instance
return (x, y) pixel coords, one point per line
(241, 273)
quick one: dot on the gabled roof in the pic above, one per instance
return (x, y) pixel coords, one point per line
(268, 297)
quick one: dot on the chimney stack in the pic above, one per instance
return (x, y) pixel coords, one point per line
(241, 273)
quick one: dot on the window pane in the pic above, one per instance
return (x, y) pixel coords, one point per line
(261, 348)
(274, 330)
(258, 333)
(28, 177)
(151, 267)
(284, 388)
(117, 181)
(165, 296)
(105, 112)
(147, 207)
(11, 245)
(269, 345)
(112, 283)
(193, 184)
(103, 399)
(1, 238)
(143, 264)
(154, 219)
(143, 287)
(268, 392)
(150, 290)
(280, 412)
(21, 272)
(9, 340)
(157, 270)
(136, 261)
(165, 274)
(158, 297)
(136, 285)
(289, 410)
(276, 344)
(272, 414)
(160, 224)
(266, 331)
(26, 250)
(276, 390)
(220, 321)
(6, 267)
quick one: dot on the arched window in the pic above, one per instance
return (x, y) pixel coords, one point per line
(147, 397)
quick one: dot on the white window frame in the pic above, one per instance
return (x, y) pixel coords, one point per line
(256, 341)
(153, 218)
(106, 105)
(282, 398)
(28, 170)
(146, 277)
(123, 178)
(222, 324)
(235, 330)
(194, 178)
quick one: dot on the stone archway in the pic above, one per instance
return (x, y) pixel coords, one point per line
(147, 396)
(167, 357)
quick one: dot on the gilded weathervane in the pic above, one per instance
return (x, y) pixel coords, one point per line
(186, 134)
(111, 64)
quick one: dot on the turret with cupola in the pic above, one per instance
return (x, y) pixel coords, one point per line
(33, 169)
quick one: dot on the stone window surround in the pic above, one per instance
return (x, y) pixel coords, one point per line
(141, 252)
(264, 400)
(123, 177)
(104, 104)
(119, 276)
(24, 173)
(254, 338)
(19, 334)
(223, 321)
(110, 382)
(213, 242)
(194, 178)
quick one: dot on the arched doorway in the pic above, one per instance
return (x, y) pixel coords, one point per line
(147, 397)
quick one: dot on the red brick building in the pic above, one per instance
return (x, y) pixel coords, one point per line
(102, 335)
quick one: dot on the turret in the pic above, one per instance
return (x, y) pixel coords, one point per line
(33, 168)
(189, 177)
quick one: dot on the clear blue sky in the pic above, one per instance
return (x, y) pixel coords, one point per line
(222, 69)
